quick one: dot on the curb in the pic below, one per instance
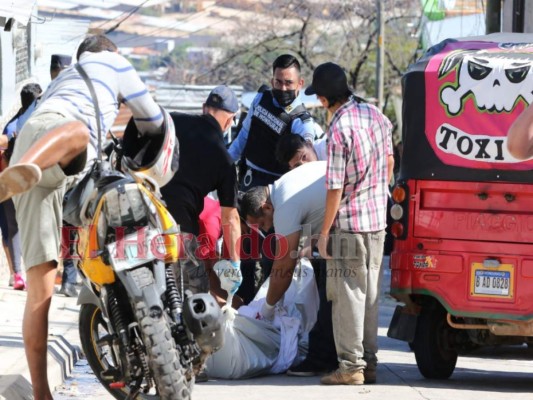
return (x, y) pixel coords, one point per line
(62, 356)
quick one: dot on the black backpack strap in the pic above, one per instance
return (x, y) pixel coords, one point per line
(97, 115)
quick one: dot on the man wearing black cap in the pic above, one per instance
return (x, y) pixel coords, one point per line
(359, 169)
(205, 166)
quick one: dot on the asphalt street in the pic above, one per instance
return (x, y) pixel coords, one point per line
(490, 374)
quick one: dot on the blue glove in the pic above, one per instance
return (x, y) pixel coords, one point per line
(229, 273)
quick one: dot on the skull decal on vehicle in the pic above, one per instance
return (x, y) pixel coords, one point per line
(495, 80)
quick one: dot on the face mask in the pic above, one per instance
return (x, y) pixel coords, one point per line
(284, 97)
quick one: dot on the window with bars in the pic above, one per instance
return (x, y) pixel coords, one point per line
(21, 47)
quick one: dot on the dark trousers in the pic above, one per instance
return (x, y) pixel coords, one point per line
(322, 350)
(190, 266)
(10, 233)
(70, 274)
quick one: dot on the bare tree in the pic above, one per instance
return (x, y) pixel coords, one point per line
(342, 31)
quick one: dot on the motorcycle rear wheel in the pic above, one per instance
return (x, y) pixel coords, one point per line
(163, 356)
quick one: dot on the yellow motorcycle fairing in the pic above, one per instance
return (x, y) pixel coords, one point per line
(92, 263)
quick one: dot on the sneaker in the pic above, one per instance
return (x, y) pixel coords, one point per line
(18, 282)
(308, 368)
(11, 281)
(370, 375)
(344, 378)
(68, 290)
(18, 178)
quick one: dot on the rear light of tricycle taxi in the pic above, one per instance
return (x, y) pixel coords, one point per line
(398, 194)
(396, 212)
(397, 229)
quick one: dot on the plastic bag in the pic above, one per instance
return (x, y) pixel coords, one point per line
(254, 347)
(250, 348)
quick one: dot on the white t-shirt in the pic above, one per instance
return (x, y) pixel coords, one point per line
(299, 199)
(321, 149)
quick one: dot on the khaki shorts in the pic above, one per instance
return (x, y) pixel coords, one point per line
(40, 211)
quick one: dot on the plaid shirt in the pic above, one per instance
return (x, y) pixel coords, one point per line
(359, 143)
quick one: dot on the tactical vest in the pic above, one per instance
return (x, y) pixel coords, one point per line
(268, 124)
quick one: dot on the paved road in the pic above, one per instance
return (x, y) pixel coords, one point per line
(492, 374)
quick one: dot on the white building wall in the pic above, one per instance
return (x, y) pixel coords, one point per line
(15, 74)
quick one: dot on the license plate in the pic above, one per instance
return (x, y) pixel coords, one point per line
(136, 249)
(492, 282)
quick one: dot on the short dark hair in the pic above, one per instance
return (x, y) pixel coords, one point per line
(287, 147)
(339, 98)
(252, 201)
(29, 93)
(95, 44)
(286, 61)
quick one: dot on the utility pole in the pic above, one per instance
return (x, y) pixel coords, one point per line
(493, 16)
(380, 54)
(518, 15)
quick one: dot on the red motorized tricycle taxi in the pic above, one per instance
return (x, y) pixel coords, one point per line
(463, 206)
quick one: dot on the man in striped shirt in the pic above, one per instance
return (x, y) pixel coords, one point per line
(56, 142)
(359, 168)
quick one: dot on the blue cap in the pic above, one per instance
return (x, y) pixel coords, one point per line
(223, 98)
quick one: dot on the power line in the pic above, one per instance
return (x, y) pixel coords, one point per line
(178, 22)
(133, 11)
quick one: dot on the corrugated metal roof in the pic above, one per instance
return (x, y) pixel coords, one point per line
(20, 10)
(187, 98)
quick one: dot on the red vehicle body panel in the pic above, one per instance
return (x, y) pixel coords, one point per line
(449, 229)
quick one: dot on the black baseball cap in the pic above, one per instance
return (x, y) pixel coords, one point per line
(329, 79)
(223, 98)
(60, 61)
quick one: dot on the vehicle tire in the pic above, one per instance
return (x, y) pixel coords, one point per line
(163, 356)
(93, 327)
(435, 356)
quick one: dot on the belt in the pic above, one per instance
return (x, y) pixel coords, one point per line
(251, 172)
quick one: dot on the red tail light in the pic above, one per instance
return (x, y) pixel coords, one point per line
(398, 194)
(397, 229)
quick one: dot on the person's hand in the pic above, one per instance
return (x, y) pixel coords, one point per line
(267, 312)
(229, 273)
(322, 246)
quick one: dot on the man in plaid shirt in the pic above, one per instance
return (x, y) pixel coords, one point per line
(360, 163)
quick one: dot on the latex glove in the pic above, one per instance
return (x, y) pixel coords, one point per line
(267, 311)
(229, 273)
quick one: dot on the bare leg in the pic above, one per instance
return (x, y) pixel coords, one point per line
(59, 146)
(40, 279)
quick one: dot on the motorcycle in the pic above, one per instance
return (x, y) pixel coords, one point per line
(143, 334)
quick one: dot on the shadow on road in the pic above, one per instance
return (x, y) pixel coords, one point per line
(465, 379)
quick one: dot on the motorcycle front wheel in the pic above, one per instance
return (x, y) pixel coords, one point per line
(92, 329)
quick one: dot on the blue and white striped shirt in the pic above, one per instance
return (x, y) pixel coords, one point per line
(114, 80)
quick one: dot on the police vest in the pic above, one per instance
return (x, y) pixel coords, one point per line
(268, 124)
